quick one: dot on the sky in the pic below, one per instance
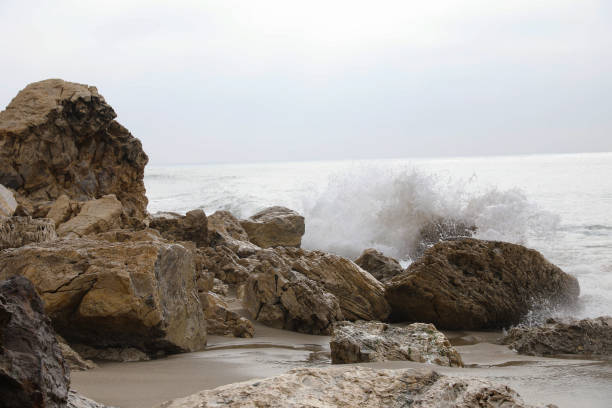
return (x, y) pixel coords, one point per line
(280, 80)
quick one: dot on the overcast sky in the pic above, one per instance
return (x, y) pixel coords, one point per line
(234, 81)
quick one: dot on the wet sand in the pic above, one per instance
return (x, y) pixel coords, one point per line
(565, 382)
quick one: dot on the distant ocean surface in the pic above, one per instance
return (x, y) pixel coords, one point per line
(560, 205)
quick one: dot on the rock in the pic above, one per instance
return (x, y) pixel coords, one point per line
(191, 227)
(226, 225)
(222, 321)
(139, 294)
(472, 284)
(32, 370)
(381, 267)
(224, 264)
(63, 209)
(587, 336)
(59, 137)
(441, 229)
(375, 341)
(19, 231)
(275, 226)
(94, 217)
(8, 204)
(307, 291)
(355, 387)
(74, 360)
(76, 400)
(120, 354)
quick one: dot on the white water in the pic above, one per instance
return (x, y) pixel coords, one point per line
(558, 204)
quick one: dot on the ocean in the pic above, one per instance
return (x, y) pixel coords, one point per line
(560, 205)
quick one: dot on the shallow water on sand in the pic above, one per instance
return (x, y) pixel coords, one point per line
(567, 383)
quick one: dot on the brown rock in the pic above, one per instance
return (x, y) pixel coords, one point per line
(375, 341)
(191, 227)
(474, 284)
(380, 266)
(94, 217)
(74, 360)
(63, 209)
(224, 264)
(275, 226)
(32, 370)
(19, 231)
(222, 321)
(59, 137)
(591, 337)
(138, 294)
(120, 354)
(355, 386)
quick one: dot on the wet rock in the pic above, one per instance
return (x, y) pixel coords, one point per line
(19, 231)
(191, 227)
(355, 387)
(222, 321)
(441, 229)
(591, 337)
(375, 341)
(275, 226)
(32, 370)
(59, 137)
(8, 204)
(95, 216)
(307, 291)
(473, 284)
(139, 294)
(74, 360)
(380, 266)
(120, 354)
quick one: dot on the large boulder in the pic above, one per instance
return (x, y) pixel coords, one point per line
(193, 226)
(100, 293)
(474, 284)
(380, 266)
(586, 336)
(95, 216)
(275, 226)
(19, 231)
(32, 370)
(355, 387)
(225, 230)
(8, 203)
(59, 137)
(307, 291)
(375, 341)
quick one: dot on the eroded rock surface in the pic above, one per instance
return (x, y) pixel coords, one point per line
(275, 226)
(59, 137)
(587, 336)
(380, 266)
(16, 231)
(474, 284)
(222, 321)
(95, 216)
(375, 341)
(75, 361)
(193, 226)
(8, 203)
(355, 387)
(138, 294)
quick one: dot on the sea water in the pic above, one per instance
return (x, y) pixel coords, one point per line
(560, 205)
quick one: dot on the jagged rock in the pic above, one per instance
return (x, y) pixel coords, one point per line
(441, 229)
(307, 291)
(225, 230)
(32, 370)
(138, 294)
(8, 204)
(59, 137)
(222, 321)
(380, 266)
(76, 400)
(375, 341)
(95, 216)
(63, 209)
(191, 227)
(587, 336)
(224, 264)
(74, 360)
(19, 231)
(355, 386)
(275, 226)
(474, 284)
(123, 354)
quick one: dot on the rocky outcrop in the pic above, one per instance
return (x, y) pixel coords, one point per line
(59, 137)
(63, 209)
(307, 291)
(94, 217)
(193, 226)
(32, 370)
(225, 230)
(591, 337)
(375, 341)
(78, 401)
(19, 231)
(275, 226)
(474, 284)
(441, 229)
(355, 387)
(74, 360)
(223, 321)
(380, 266)
(224, 264)
(104, 294)
(8, 204)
